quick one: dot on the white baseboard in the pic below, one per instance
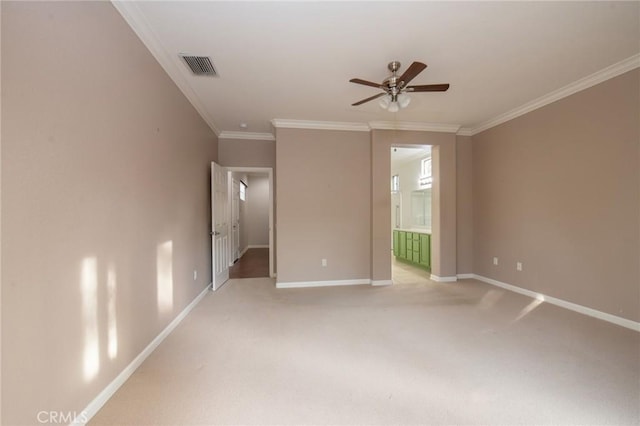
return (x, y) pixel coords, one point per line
(376, 283)
(243, 252)
(381, 282)
(258, 246)
(627, 323)
(465, 276)
(332, 283)
(102, 398)
(443, 279)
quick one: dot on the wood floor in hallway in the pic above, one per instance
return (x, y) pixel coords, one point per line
(253, 264)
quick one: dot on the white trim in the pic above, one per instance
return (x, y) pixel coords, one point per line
(243, 252)
(443, 279)
(246, 136)
(319, 125)
(465, 276)
(376, 283)
(423, 127)
(301, 284)
(258, 246)
(578, 85)
(464, 132)
(364, 127)
(102, 398)
(257, 170)
(627, 323)
(169, 62)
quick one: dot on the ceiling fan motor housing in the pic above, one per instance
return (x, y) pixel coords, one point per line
(394, 66)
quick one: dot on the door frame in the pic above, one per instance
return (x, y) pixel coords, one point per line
(269, 172)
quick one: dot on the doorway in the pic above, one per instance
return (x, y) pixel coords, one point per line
(410, 214)
(251, 201)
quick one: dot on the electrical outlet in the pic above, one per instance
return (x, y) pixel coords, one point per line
(518, 266)
(195, 274)
(324, 262)
(495, 261)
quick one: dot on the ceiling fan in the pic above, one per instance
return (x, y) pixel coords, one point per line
(395, 88)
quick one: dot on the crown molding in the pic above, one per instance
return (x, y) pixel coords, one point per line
(422, 127)
(319, 125)
(138, 23)
(464, 132)
(364, 127)
(246, 136)
(605, 74)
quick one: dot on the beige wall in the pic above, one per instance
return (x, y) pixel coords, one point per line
(323, 189)
(0, 215)
(443, 199)
(258, 210)
(246, 153)
(104, 162)
(558, 189)
(464, 204)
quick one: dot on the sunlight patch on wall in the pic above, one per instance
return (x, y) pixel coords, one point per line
(89, 290)
(112, 331)
(164, 266)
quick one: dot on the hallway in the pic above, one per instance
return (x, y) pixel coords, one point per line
(253, 264)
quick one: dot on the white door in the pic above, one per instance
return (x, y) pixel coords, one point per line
(235, 220)
(220, 224)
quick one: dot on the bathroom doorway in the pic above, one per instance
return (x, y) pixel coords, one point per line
(411, 183)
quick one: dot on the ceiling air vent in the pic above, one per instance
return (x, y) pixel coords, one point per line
(200, 65)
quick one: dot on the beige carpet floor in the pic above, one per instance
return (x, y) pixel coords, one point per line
(412, 353)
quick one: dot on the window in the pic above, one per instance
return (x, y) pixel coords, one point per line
(395, 183)
(243, 189)
(425, 173)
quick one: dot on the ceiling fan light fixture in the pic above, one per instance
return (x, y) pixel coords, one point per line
(404, 100)
(384, 102)
(394, 103)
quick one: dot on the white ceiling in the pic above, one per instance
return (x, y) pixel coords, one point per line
(403, 154)
(293, 60)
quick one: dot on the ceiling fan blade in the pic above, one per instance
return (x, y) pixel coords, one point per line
(365, 82)
(413, 70)
(368, 99)
(428, 88)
